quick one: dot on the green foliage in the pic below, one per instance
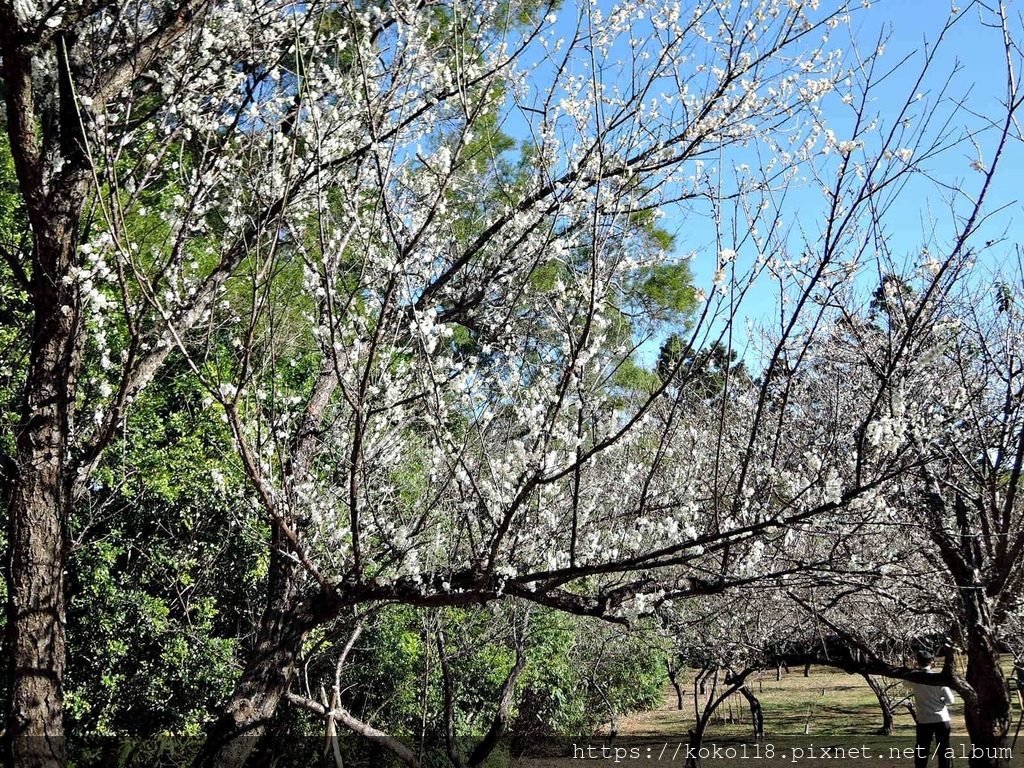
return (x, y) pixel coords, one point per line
(161, 577)
(667, 288)
(14, 317)
(670, 356)
(584, 670)
(13, 226)
(393, 679)
(703, 373)
(634, 377)
(160, 582)
(1006, 300)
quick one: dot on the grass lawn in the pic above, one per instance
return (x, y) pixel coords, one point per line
(803, 717)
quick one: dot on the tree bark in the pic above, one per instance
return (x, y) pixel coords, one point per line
(37, 532)
(37, 526)
(287, 618)
(987, 712)
(52, 174)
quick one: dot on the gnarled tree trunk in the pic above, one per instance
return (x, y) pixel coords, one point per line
(287, 618)
(987, 713)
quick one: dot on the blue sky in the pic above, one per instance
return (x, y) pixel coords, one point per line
(922, 216)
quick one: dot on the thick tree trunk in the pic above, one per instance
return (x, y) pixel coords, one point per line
(35, 608)
(48, 152)
(243, 721)
(987, 713)
(40, 497)
(38, 514)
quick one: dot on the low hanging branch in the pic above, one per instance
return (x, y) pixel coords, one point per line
(338, 714)
(341, 715)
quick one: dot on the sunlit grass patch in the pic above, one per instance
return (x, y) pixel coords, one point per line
(827, 719)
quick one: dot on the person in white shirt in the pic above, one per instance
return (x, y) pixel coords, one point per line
(931, 703)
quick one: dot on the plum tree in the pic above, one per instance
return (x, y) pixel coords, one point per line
(414, 331)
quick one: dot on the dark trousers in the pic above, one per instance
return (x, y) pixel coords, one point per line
(925, 732)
